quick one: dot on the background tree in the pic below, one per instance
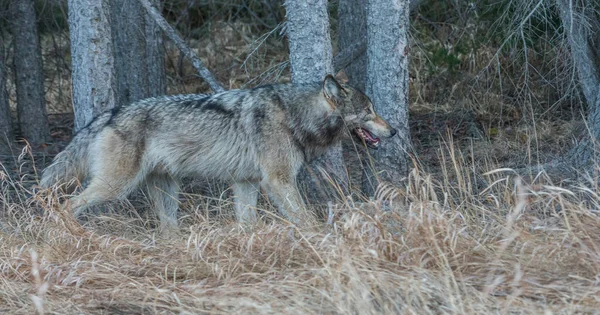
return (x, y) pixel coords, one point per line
(29, 74)
(311, 59)
(352, 38)
(93, 73)
(352, 28)
(6, 130)
(387, 83)
(581, 23)
(129, 49)
(155, 54)
(138, 51)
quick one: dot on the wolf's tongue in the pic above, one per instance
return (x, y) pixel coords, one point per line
(369, 136)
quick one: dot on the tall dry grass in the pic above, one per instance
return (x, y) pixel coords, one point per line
(432, 246)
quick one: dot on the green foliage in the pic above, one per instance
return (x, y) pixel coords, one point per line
(514, 23)
(442, 57)
(448, 30)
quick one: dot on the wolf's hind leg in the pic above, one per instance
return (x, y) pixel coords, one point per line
(163, 191)
(245, 196)
(102, 189)
(115, 172)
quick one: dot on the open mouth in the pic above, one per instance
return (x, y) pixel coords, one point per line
(368, 138)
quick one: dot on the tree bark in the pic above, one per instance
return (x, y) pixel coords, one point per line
(155, 55)
(582, 27)
(94, 79)
(352, 30)
(311, 56)
(387, 85)
(180, 43)
(129, 49)
(352, 33)
(29, 73)
(311, 59)
(349, 54)
(6, 129)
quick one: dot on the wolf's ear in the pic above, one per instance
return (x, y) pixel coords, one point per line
(331, 88)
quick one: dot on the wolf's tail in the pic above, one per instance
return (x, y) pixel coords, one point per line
(70, 167)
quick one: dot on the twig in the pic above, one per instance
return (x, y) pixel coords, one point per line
(180, 43)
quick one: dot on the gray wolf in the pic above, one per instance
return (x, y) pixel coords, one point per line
(253, 138)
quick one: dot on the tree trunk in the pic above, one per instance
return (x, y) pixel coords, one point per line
(311, 56)
(582, 27)
(387, 85)
(311, 60)
(352, 34)
(6, 130)
(129, 48)
(155, 55)
(94, 80)
(29, 73)
(352, 29)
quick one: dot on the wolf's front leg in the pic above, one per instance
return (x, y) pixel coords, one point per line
(163, 191)
(287, 198)
(245, 196)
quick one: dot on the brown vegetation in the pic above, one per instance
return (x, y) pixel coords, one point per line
(433, 246)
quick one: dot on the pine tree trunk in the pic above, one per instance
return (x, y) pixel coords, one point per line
(311, 59)
(352, 39)
(29, 73)
(129, 47)
(387, 85)
(582, 27)
(155, 55)
(94, 80)
(6, 129)
(311, 56)
(352, 28)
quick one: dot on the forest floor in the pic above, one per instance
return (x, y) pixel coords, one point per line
(441, 243)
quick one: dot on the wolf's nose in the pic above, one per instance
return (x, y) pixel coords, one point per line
(393, 132)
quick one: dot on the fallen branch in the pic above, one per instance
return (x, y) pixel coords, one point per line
(180, 43)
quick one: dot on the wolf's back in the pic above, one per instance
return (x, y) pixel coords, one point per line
(70, 167)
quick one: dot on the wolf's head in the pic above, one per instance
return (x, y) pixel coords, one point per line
(357, 112)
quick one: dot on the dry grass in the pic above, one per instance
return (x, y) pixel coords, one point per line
(433, 246)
